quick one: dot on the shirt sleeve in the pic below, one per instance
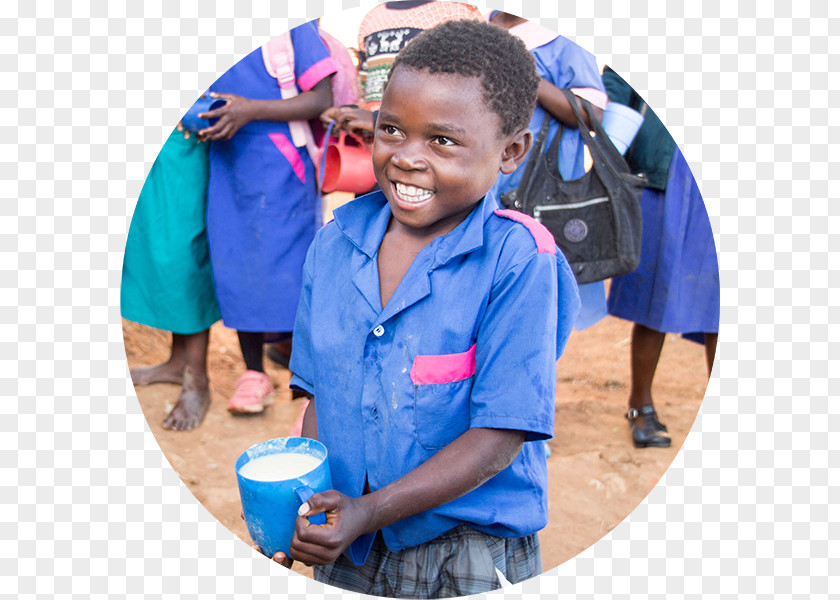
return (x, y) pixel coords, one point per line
(301, 362)
(312, 58)
(567, 65)
(568, 302)
(517, 346)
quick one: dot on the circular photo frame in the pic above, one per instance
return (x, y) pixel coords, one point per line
(214, 269)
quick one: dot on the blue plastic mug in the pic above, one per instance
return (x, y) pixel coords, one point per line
(190, 120)
(271, 507)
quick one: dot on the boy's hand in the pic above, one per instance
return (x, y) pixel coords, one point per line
(231, 117)
(330, 115)
(347, 519)
(278, 558)
(186, 132)
(349, 118)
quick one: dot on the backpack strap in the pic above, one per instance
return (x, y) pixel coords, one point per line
(345, 81)
(517, 197)
(279, 59)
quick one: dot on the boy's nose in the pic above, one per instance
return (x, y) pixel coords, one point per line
(408, 159)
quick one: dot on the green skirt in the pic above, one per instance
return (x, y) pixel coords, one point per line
(167, 282)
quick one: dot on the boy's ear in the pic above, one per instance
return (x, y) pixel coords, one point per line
(516, 150)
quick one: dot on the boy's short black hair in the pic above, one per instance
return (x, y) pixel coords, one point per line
(501, 61)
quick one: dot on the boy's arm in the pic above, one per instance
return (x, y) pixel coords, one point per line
(310, 422)
(572, 68)
(239, 111)
(350, 118)
(460, 467)
(554, 101)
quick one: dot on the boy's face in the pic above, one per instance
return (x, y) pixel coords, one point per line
(438, 149)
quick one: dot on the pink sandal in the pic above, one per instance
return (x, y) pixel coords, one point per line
(254, 391)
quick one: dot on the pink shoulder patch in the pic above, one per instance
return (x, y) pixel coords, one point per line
(315, 73)
(542, 236)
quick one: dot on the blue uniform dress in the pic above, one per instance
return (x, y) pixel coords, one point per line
(566, 65)
(469, 339)
(676, 287)
(263, 208)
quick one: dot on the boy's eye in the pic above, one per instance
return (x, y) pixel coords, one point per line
(442, 140)
(389, 130)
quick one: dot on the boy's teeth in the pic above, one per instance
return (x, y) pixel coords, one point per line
(411, 193)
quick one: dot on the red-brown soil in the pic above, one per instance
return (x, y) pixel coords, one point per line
(596, 476)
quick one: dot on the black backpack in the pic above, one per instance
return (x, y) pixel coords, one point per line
(596, 220)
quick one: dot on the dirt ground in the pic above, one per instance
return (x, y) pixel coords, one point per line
(596, 476)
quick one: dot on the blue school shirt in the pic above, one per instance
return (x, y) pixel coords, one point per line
(469, 339)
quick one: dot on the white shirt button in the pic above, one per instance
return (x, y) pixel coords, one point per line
(378, 331)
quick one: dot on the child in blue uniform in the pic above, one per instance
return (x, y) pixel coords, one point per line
(428, 330)
(263, 207)
(561, 64)
(676, 287)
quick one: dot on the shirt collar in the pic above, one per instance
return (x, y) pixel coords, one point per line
(364, 221)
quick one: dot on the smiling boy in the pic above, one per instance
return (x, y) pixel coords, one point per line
(428, 330)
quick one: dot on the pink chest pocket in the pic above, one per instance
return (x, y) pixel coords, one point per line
(443, 368)
(442, 388)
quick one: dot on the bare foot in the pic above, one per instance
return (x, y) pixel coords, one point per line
(162, 373)
(192, 405)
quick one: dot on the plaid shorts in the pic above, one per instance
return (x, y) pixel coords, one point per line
(460, 562)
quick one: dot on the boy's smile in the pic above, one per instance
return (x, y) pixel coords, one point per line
(412, 194)
(438, 149)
